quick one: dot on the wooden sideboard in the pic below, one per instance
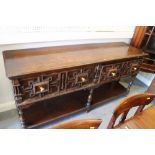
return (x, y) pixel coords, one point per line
(54, 82)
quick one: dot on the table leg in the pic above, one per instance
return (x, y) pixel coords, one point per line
(131, 82)
(20, 112)
(89, 100)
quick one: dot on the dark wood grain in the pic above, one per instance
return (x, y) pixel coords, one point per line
(28, 61)
(143, 120)
(80, 124)
(139, 100)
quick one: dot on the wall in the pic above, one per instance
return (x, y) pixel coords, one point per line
(6, 92)
(29, 34)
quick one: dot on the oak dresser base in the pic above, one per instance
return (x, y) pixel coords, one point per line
(54, 82)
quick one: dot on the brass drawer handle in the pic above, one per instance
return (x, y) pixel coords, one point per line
(135, 68)
(113, 74)
(83, 79)
(41, 89)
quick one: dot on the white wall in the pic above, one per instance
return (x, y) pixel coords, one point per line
(6, 92)
(29, 34)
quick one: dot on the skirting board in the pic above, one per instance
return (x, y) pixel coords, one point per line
(7, 106)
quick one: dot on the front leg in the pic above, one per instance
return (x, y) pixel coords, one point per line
(22, 120)
(89, 100)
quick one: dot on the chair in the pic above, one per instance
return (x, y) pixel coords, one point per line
(124, 107)
(80, 124)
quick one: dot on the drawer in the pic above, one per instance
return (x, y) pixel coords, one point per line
(135, 66)
(53, 83)
(110, 72)
(36, 86)
(130, 67)
(81, 77)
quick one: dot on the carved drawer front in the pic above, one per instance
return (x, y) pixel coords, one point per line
(37, 86)
(110, 72)
(126, 67)
(135, 66)
(81, 77)
(130, 67)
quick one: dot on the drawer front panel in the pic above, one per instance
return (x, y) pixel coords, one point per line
(135, 66)
(110, 72)
(80, 77)
(116, 71)
(38, 86)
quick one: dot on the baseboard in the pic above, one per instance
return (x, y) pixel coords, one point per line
(7, 106)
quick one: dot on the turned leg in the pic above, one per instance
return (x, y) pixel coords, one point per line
(130, 83)
(20, 113)
(89, 100)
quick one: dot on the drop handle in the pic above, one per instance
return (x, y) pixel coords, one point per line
(113, 74)
(83, 79)
(41, 89)
(135, 68)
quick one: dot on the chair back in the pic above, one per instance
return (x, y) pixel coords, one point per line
(139, 100)
(80, 124)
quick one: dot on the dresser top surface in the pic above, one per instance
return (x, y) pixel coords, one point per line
(30, 61)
